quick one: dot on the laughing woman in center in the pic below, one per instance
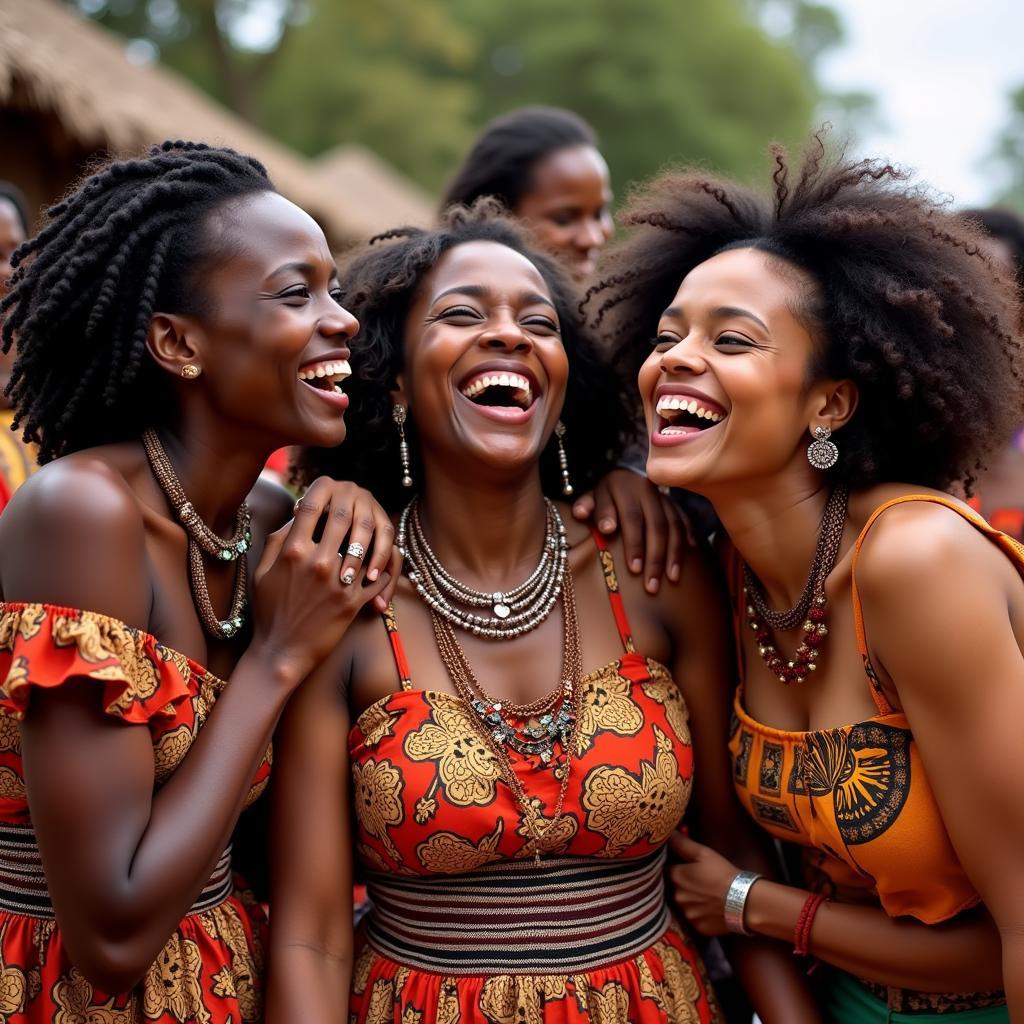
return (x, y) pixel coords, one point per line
(519, 738)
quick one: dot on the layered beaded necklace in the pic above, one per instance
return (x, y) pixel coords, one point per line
(515, 611)
(536, 729)
(202, 539)
(809, 611)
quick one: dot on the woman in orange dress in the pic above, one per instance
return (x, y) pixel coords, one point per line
(176, 320)
(860, 354)
(507, 802)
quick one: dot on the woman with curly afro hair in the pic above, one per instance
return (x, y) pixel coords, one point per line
(504, 747)
(824, 363)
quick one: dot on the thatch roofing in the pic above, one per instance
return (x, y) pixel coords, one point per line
(387, 199)
(54, 61)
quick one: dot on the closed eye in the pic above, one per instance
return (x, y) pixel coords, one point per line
(296, 292)
(458, 312)
(542, 323)
(736, 340)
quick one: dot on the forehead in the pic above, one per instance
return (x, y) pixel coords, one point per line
(746, 278)
(490, 265)
(575, 167)
(264, 230)
(10, 219)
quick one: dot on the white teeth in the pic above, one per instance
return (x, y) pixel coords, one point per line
(673, 403)
(339, 369)
(505, 380)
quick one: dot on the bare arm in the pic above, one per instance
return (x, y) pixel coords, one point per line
(937, 621)
(704, 671)
(124, 863)
(938, 598)
(311, 929)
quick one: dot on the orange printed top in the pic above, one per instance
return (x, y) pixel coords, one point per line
(857, 797)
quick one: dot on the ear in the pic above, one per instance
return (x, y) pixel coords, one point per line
(399, 395)
(834, 404)
(171, 342)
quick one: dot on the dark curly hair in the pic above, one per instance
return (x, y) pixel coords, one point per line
(1008, 227)
(502, 159)
(129, 240)
(380, 284)
(907, 305)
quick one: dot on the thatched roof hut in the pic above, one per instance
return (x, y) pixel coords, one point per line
(68, 93)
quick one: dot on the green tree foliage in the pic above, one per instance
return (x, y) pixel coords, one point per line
(1008, 155)
(708, 81)
(661, 80)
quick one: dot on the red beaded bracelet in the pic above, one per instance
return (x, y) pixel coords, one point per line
(802, 933)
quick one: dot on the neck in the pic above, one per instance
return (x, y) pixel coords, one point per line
(488, 533)
(216, 469)
(774, 528)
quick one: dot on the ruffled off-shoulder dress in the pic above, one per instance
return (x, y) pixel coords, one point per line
(209, 971)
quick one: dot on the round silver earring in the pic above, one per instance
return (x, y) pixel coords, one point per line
(821, 452)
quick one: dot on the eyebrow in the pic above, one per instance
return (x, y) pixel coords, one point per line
(677, 313)
(299, 265)
(478, 291)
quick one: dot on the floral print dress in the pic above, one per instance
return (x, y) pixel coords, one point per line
(209, 971)
(463, 925)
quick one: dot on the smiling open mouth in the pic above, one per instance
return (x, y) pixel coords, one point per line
(679, 415)
(326, 376)
(499, 390)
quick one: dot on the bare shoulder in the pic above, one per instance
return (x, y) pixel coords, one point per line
(918, 544)
(74, 535)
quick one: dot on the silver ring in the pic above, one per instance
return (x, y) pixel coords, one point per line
(356, 550)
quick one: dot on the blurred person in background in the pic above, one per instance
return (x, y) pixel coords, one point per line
(544, 165)
(17, 457)
(999, 493)
(879, 621)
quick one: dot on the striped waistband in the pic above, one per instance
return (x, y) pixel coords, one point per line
(566, 915)
(23, 884)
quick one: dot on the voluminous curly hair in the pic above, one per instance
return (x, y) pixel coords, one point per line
(380, 284)
(128, 241)
(907, 304)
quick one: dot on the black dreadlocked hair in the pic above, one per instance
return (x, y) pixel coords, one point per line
(380, 284)
(130, 239)
(907, 305)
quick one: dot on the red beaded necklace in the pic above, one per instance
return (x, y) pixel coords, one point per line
(810, 608)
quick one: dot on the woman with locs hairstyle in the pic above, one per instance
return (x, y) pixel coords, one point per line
(824, 365)
(505, 755)
(176, 320)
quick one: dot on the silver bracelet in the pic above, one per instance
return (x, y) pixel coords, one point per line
(736, 900)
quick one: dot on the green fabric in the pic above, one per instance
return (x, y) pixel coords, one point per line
(847, 1002)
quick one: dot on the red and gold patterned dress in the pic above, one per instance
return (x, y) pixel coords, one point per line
(464, 925)
(210, 970)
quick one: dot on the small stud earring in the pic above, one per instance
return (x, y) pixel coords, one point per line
(821, 452)
(190, 371)
(399, 414)
(563, 461)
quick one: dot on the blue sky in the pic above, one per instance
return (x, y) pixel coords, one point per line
(941, 70)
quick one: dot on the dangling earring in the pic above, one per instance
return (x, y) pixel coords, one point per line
(563, 462)
(398, 414)
(821, 452)
(190, 371)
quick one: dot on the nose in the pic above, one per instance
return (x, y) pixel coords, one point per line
(505, 335)
(590, 236)
(338, 322)
(683, 357)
